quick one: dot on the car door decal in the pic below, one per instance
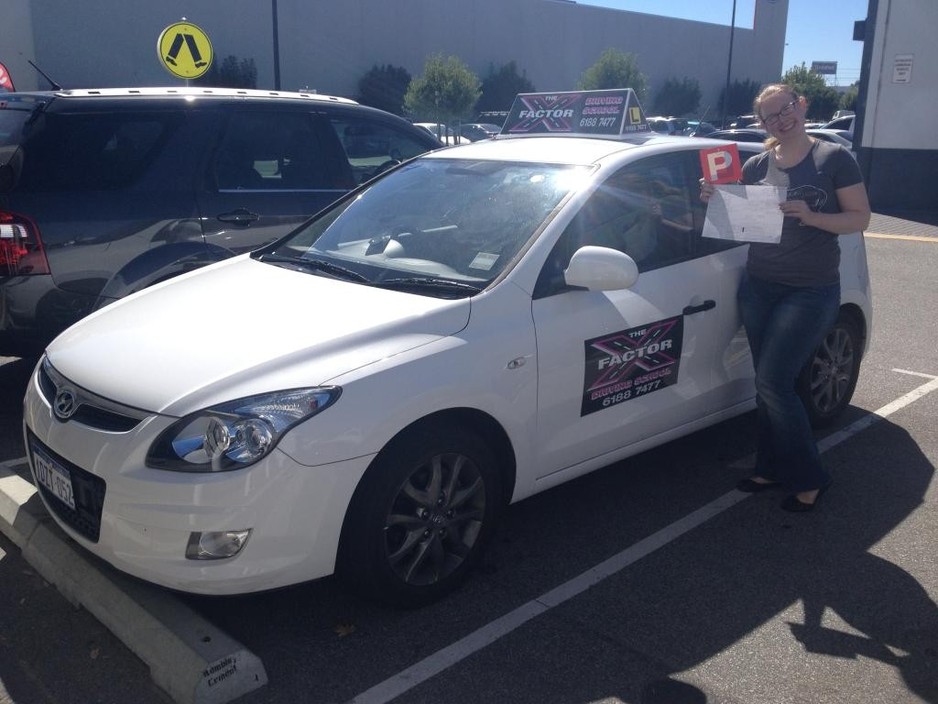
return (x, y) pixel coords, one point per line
(629, 364)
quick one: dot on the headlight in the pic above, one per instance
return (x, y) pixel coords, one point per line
(238, 433)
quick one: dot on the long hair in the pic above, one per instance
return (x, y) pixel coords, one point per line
(771, 89)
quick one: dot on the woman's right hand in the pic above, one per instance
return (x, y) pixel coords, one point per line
(706, 190)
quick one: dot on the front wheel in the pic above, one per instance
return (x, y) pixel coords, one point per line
(419, 520)
(827, 382)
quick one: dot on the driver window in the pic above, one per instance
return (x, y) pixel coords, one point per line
(645, 210)
(371, 146)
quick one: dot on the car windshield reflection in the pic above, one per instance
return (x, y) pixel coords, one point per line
(433, 221)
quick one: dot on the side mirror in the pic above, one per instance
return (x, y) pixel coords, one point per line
(601, 269)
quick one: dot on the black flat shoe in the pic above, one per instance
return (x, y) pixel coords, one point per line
(793, 504)
(751, 486)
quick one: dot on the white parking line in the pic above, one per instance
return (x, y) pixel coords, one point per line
(906, 371)
(420, 672)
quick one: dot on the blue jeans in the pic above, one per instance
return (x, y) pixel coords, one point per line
(784, 325)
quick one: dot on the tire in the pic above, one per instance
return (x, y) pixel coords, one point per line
(827, 382)
(418, 522)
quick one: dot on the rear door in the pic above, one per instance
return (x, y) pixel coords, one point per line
(104, 182)
(268, 172)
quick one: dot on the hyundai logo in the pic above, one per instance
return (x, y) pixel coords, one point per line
(65, 404)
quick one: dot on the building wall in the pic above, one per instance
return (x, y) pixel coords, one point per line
(898, 146)
(328, 46)
(16, 43)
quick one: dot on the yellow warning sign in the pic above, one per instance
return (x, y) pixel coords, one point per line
(184, 50)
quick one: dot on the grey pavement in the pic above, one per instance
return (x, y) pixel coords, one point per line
(905, 223)
(189, 658)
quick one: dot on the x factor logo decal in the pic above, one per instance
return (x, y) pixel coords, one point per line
(553, 112)
(627, 352)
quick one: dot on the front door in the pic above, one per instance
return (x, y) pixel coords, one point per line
(617, 367)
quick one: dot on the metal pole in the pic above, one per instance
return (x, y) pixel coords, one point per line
(273, 4)
(729, 65)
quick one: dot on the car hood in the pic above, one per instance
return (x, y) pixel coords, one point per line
(242, 327)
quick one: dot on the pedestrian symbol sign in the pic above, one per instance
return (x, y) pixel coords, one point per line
(184, 50)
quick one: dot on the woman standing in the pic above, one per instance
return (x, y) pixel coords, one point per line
(790, 293)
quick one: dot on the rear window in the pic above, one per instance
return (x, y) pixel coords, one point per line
(11, 127)
(100, 151)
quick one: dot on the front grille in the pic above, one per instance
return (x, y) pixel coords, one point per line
(87, 489)
(92, 410)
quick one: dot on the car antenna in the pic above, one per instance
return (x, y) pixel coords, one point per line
(54, 85)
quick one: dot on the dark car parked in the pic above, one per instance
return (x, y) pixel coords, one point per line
(105, 192)
(742, 134)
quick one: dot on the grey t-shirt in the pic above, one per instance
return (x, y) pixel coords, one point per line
(805, 256)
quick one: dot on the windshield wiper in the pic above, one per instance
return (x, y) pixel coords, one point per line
(418, 283)
(339, 272)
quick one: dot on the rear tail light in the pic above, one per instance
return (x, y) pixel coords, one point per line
(21, 251)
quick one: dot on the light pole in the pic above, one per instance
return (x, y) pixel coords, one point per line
(729, 65)
(273, 7)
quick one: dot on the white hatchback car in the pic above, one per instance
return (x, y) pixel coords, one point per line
(365, 395)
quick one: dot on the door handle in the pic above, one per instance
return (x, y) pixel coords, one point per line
(706, 305)
(241, 216)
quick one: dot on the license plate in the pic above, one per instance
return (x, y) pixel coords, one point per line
(55, 478)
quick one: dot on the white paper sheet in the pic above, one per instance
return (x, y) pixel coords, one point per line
(745, 213)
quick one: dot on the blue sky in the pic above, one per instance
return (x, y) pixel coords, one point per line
(817, 31)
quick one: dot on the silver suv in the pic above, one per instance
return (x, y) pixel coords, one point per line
(105, 192)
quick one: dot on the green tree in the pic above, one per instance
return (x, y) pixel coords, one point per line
(447, 91)
(500, 87)
(822, 99)
(848, 101)
(384, 87)
(678, 97)
(615, 69)
(741, 96)
(232, 72)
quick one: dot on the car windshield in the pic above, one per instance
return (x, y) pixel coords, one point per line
(443, 227)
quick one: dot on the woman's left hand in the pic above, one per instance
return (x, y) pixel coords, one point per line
(796, 209)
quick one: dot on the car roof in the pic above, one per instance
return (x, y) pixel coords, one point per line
(185, 92)
(740, 134)
(744, 130)
(554, 149)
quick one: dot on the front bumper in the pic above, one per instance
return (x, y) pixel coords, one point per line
(146, 516)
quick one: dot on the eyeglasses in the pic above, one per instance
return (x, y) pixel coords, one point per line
(773, 119)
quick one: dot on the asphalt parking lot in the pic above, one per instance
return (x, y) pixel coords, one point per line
(650, 581)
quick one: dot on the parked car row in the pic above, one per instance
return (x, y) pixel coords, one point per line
(757, 134)
(106, 192)
(680, 126)
(464, 132)
(842, 125)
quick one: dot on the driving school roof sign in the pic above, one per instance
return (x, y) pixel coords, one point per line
(593, 112)
(184, 50)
